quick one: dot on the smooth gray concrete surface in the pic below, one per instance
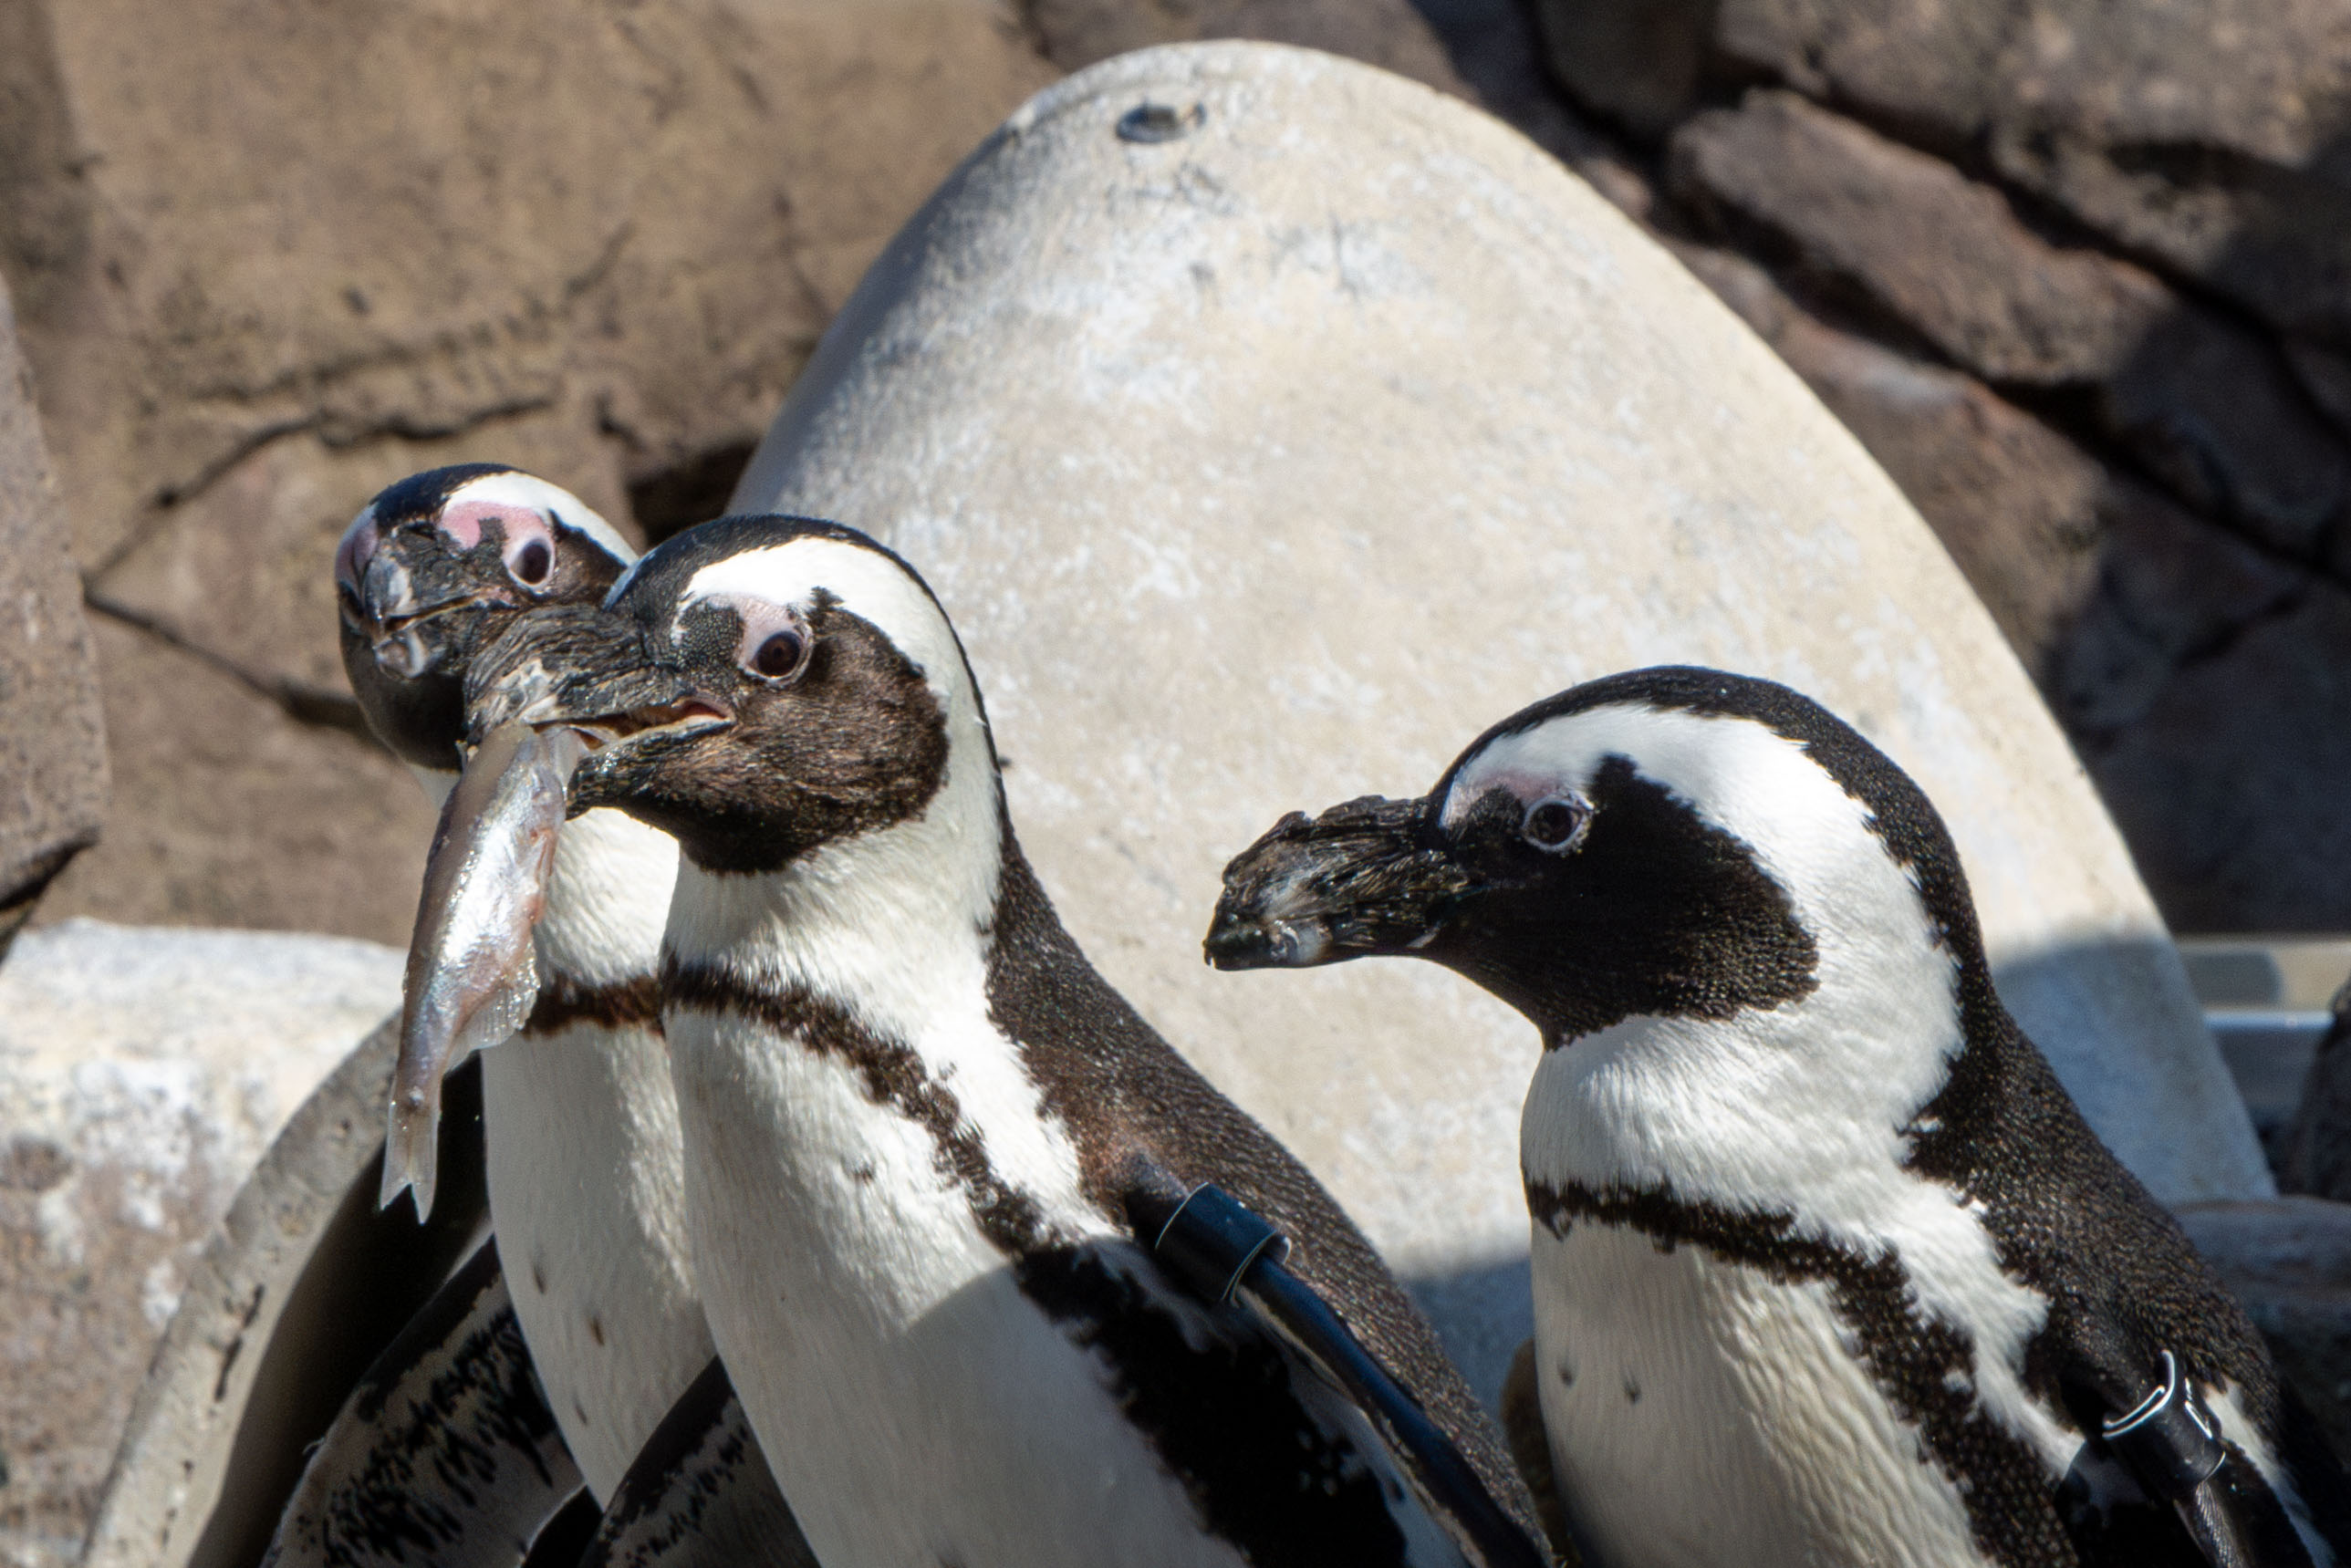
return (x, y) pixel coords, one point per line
(143, 1073)
(1262, 464)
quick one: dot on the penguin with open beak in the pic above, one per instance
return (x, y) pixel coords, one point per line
(915, 1117)
(587, 1296)
(1827, 1267)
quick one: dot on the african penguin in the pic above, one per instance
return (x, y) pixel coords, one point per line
(913, 1111)
(584, 1163)
(1827, 1267)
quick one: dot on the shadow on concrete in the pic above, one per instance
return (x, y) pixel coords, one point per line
(1483, 1313)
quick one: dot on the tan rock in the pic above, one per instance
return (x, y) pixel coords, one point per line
(228, 812)
(1264, 465)
(598, 244)
(412, 222)
(52, 743)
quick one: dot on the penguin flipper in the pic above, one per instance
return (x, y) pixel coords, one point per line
(446, 1451)
(699, 1493)
(2159, 1482)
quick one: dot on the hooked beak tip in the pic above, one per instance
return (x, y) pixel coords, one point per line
(1234, 943)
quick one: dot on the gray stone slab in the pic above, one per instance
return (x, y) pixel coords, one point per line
(1263, 463)
(142, 1073)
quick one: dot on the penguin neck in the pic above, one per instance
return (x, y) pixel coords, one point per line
(608, 895)
(1808, 1108)
(879, 948)
(892, 923)
(607, 900)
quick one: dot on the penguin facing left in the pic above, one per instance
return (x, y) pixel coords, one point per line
(913, 1112)
(1827, 1267)
(584, 1163)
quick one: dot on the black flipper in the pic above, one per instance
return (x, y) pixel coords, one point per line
(2133, 1309)
(1126, 1094)
(1230, 1256)
(445, 1454)
(2169, 1442)
(699, 1492)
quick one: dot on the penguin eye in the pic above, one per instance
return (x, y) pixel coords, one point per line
(532, 561)
(779, 655)
(1555, 824)
(775, 645)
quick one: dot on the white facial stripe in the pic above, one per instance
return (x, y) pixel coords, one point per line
(868, 584)
(513, 489)
(1756, 785)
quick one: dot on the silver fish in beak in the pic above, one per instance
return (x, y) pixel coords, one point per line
(472, 973)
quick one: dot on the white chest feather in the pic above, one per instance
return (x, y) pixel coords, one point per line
(1701, 1414)
(586, 1194)
(916, 1407)
(586, 1167)
(860, 1169)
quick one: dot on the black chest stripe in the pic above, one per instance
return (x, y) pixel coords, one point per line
(564, 1000)
(1924, 1367)
(893, 1074)
(1222, 1415)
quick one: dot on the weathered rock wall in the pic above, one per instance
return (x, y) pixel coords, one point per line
(52, 746)
(270, 256)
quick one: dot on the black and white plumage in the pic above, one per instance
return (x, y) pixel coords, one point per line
(584, 1161)
(445, 1451)
(1827, 1267)
(913, 1110)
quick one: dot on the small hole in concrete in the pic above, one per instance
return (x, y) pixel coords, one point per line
(29, 1164)
(1159, 122)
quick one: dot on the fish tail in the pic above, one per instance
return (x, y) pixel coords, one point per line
(410, 1150)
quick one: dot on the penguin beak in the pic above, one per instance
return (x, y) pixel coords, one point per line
(581, 668)
(1367, 877)
(408, 589)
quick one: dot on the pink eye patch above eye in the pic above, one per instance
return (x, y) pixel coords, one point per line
(466, 521)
